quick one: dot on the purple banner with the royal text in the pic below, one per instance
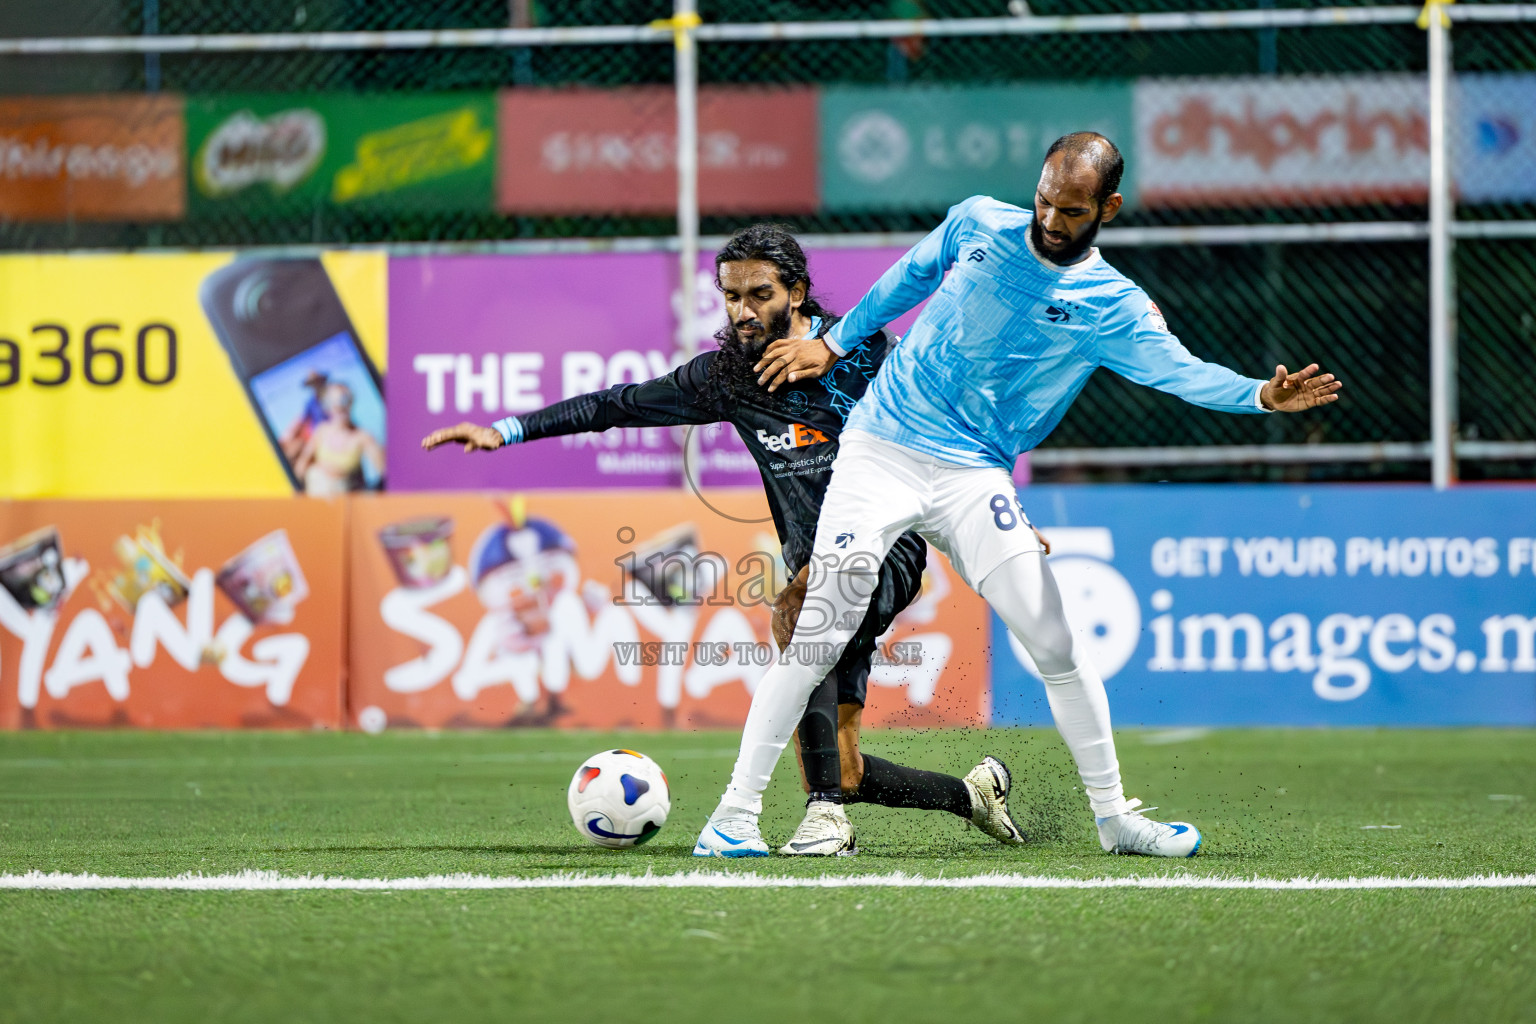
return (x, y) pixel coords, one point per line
(480, 337)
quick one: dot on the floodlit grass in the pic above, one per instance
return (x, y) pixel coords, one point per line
(1271, 803)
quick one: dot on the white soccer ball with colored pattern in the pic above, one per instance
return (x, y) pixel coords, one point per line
(619, 798)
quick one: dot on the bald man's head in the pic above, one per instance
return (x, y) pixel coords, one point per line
(1078, 191)
(1090, 151)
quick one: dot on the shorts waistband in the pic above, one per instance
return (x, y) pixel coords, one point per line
(912, 454)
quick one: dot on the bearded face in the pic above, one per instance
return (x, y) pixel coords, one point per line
(1063, 249)
(1069, 209)
(760, 310)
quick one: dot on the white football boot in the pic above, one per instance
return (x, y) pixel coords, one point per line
(730, 832)
(989, 783)
(1133, 832)
(825, 832)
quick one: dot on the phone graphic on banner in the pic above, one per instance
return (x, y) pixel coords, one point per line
(317, 394)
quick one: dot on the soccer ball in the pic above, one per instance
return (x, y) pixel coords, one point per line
(619, 798)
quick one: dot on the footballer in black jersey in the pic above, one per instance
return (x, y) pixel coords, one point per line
(792, 433)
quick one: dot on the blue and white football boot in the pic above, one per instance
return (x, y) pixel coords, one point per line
(730, 832)
(1133, 832)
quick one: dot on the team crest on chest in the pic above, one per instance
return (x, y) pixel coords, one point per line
(1061, 311)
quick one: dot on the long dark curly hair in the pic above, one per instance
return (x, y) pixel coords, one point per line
(731, 377)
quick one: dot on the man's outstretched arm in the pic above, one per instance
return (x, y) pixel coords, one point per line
(673, 399)
(1136, 343)
(908, 282)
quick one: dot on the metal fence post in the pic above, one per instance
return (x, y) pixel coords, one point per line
(685, 19)
(1442, 274)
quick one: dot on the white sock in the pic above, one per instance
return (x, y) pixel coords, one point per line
(1081, 710)
(777, 707)
(1023, 593)
(835, 604)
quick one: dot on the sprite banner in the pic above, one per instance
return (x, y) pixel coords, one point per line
(930, 147)
(281, 152)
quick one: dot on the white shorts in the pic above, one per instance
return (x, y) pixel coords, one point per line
(879, 490)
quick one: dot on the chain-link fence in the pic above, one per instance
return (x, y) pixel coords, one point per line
(1301, 150)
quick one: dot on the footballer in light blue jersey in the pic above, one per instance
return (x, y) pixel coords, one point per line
(1028, 310)
(1023, 310)
(1009, 339)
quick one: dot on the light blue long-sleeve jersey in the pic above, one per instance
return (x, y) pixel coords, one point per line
(1009, 339)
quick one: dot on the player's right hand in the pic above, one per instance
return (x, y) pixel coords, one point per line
(471, 435)
(790, 359)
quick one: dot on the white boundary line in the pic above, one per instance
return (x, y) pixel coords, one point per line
(260, 881)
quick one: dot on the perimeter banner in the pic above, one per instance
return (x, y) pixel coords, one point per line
(478, 337)
(615, 150)
(190, 375)
(171, 614)
(1282, 141)
(1284, 605)
(590, 610)
(929, 147)
(102, 158)
(1494, 145)
(287, 152)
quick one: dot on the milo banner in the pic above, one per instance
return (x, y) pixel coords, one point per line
(292, 151)
(1334, 605)
(171, 614)
(478, 337)
(191, 375)
(642, 610)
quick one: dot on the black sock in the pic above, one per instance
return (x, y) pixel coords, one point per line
(818, 743)
(895, 785)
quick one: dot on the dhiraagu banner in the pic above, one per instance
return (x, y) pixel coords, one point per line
(191, 375)
(293, 151)
(932, 146)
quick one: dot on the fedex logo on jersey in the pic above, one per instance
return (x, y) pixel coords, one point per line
(797, 436)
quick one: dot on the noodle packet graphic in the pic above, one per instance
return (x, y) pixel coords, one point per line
(146, 567)
(669, 568)
(32, 570)
(265, 581)
(418, 550)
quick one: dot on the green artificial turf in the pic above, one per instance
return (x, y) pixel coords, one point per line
(1271, 803)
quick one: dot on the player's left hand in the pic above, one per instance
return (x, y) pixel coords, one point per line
(1293, 392)
(790, 359)
(786, 607)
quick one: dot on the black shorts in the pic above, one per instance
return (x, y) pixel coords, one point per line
(901, 579)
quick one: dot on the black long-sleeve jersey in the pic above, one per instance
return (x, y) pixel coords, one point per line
(792, 434)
